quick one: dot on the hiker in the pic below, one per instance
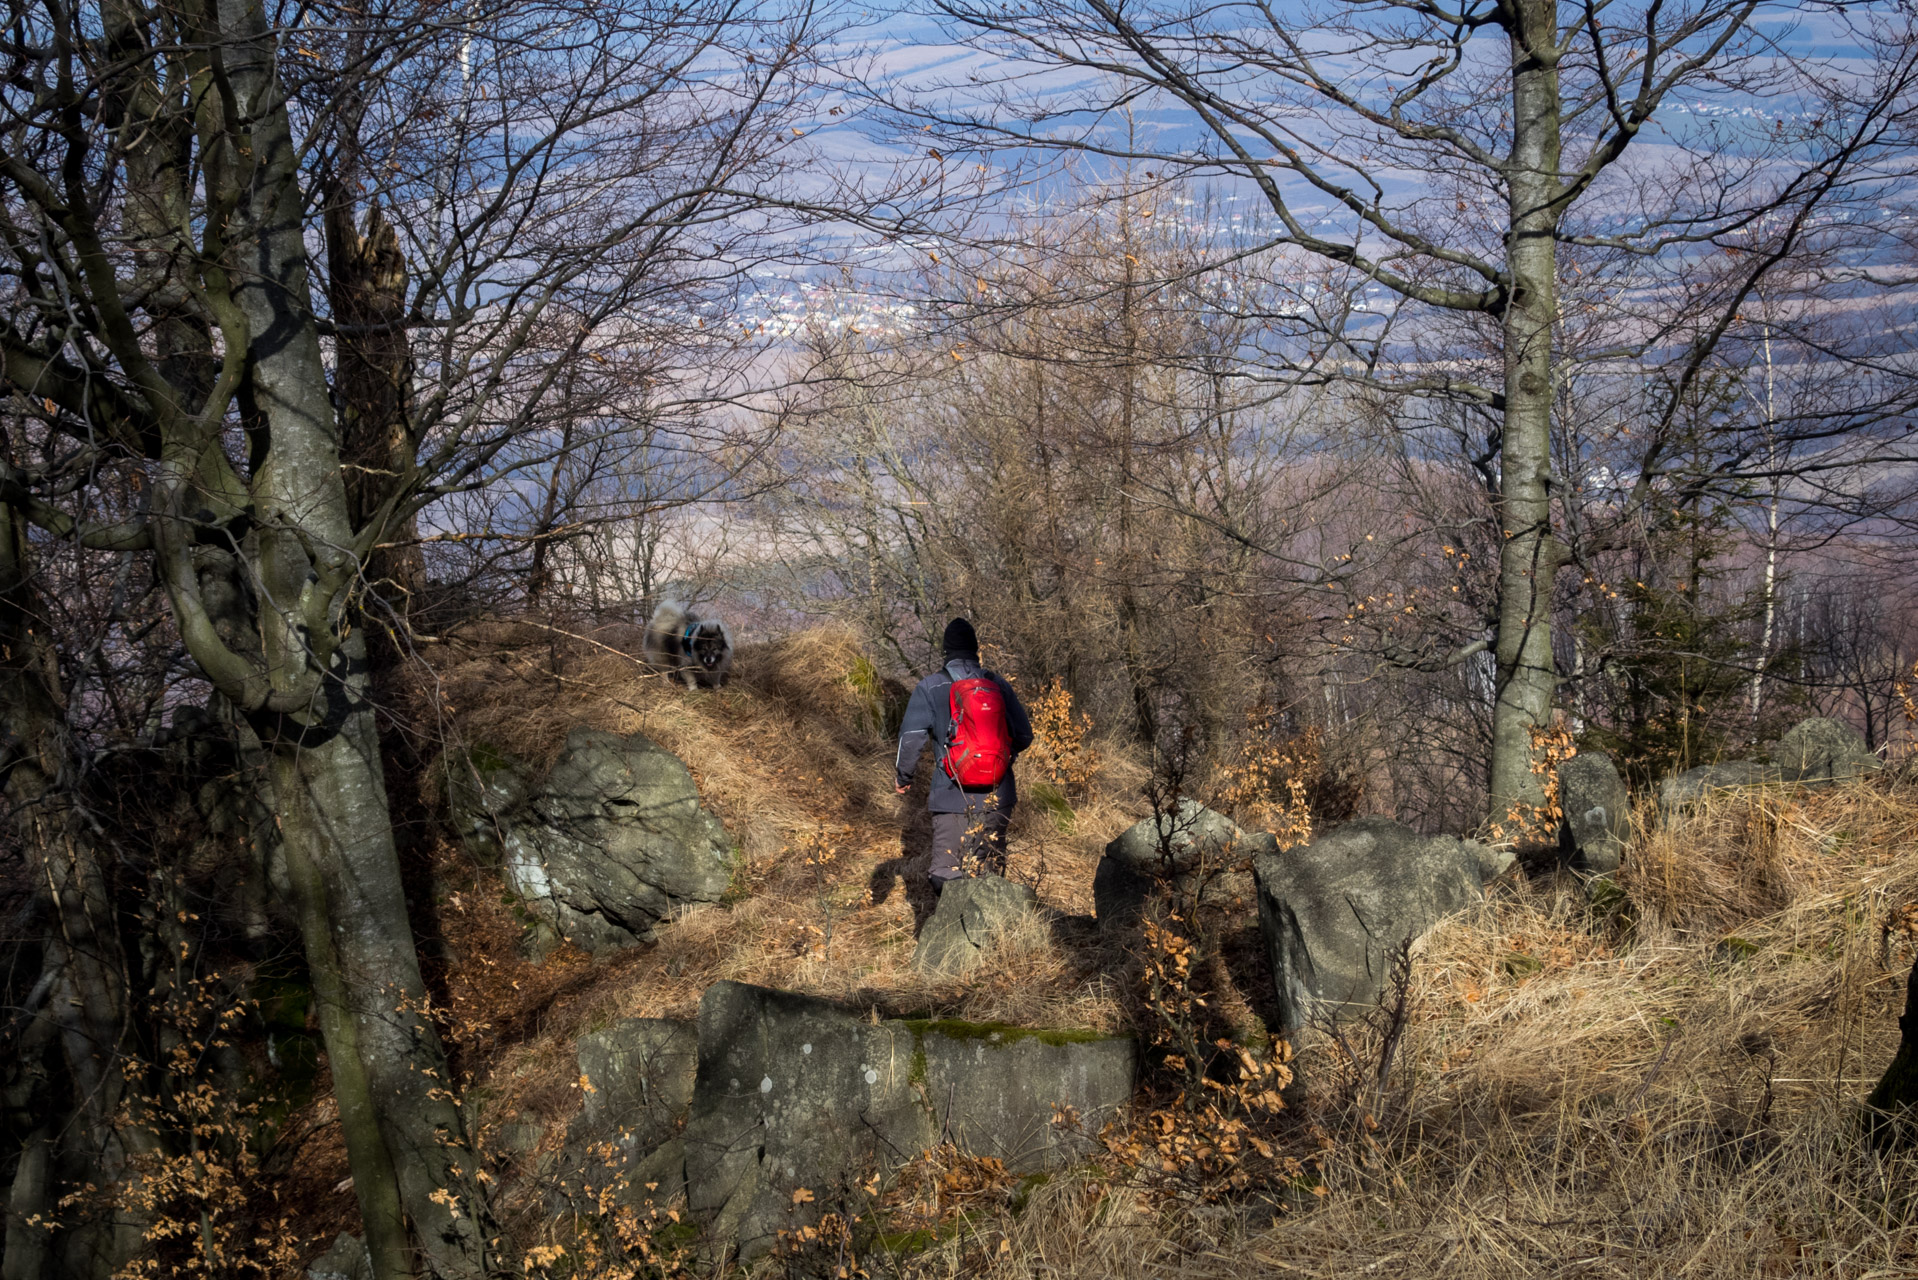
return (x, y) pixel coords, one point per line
(972, 791)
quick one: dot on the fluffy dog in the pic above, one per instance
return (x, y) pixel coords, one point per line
(683, 644)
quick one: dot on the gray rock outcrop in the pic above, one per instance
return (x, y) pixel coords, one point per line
(1681, 789)
(798, 1093)
(1812, 752)
(1823, 750)
(1335, 911)
(487, 792)
(971, 916)
(639, 1073)
(346, 1260)
(606, 845)
(1598, 811)
(1174, 845)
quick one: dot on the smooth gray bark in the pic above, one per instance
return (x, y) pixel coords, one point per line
(327, 777)
(1529, 555)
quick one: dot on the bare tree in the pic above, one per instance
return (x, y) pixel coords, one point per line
(1438, 161)
(1082, 473)
(521, 205)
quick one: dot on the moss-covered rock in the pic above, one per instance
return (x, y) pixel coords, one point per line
(1598, 811)
(1687, 788)
(638, 1077)
(796, 1093)
(602, 849)
(1823, 750)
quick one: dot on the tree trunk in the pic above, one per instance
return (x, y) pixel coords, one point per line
(1771, 544)
(1144, 713)
(347, 997)
(30, 1198)
(327, 779)
(366, 284)
(379, 448)
(1530, 555)
(84, 1021)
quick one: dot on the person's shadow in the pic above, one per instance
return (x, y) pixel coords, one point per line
(911, 866)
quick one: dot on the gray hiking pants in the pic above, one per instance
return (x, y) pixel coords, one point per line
(979, 833)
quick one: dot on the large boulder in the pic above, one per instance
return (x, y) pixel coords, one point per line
(613, 840)
(1682, 789)
(1823, 750)
(972, 915)
(346, 1260)
(487, 792)
(1334, 912)
(996, 1090)
(1175, 847)
(638, 1074)
(792, 1092)
(1814, 751)
(1598, 811)
(795, 1093)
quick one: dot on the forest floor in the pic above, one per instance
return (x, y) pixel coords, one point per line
(1663, 1080)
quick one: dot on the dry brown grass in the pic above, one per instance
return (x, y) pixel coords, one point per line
(1661, 1084)
(830, 893)
(1667, 1086)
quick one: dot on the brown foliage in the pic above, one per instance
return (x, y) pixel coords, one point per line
(1661, 1083)
(1062, 752)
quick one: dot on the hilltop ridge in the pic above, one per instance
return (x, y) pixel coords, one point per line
(1665, 1069)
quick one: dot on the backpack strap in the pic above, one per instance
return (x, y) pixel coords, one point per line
(943, 712)
(945, 704)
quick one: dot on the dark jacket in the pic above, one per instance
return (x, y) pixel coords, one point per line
(929, 720)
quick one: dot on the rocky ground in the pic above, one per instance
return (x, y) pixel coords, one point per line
(709, 1019)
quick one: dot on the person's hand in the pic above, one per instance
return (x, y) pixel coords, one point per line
(903, 787)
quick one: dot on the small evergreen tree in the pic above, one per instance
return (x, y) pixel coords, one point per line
(1677, 654)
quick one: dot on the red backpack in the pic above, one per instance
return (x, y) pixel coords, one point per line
(980, 751)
